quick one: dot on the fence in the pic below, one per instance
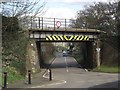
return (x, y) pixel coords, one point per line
(50, 23)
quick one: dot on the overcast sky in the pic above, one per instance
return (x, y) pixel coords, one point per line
(66, 8)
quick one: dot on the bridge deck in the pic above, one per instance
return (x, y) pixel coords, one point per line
(68, 30)
(60, 35)
(52, 29)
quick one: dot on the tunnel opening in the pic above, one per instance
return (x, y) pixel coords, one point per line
(45, 53)
(83, 55)
(87, 52)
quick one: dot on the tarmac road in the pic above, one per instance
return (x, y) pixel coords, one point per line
(72, 75)
(67, 73)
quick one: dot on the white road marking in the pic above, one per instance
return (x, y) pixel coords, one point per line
(66, 64)
(62, 82)
(86, 70)
(45, 76)
(46, 73)
(53, 61)
(81, 66)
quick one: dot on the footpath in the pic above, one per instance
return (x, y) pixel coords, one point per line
(37, 81)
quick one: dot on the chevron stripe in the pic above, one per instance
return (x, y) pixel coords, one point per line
(61, 37)
(65, 38)
(86, 38)
(49, 38)
(81, 38)
(58, 38)
(71, 38)
(75, 37)
(78, 38)
(54, 38)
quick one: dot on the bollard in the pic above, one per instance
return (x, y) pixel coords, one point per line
(50, 75)
(5, 80)
(29, 76)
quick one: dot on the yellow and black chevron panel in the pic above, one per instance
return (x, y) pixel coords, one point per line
(67, 38)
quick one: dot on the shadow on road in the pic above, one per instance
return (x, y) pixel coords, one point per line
(111, 85)
(62, 65)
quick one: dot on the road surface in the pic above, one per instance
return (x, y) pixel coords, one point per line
(72, 75)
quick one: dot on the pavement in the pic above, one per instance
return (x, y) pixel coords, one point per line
(38, 80)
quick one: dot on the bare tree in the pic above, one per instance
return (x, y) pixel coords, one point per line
(14, 40)
(22, 10)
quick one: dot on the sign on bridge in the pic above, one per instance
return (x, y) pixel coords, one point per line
(67, 38)
(58, 24)
(62, 36)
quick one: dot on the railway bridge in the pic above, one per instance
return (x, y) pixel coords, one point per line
(60, 30)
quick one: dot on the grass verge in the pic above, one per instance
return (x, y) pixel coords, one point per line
(108, 69)
(0, 77)
(12, 75)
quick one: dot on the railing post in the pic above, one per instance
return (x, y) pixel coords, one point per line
(65, 24)
(29, 76)
(39, 21)
(31, 22)
(86, 24)
(42, 23)
(76, 25)
(54, 24)
(5, 80)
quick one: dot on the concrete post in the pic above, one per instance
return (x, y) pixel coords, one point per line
(98, 57)
(98, 54)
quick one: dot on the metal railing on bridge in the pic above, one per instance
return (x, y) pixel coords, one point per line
(56, 24)
(55, 29)
(50, 23)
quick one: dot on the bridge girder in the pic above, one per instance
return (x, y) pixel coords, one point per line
(72, 35)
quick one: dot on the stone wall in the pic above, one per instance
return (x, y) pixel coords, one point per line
(32, 61)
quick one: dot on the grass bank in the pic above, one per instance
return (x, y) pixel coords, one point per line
(107, 69)
(12, 75)
(0, 77)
